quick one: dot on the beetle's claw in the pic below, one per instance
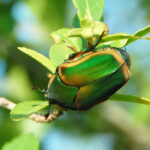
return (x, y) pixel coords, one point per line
(46, 115)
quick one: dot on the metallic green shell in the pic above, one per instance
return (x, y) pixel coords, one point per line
(99, 90)
(89, 79)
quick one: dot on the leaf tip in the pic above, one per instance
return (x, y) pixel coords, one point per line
(20, 48)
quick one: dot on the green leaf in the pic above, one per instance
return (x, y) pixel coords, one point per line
(59, 35)
(26, 108)
(130, 98)
(86, 33)
(121, 36)
(40, 58)
(118, 36)
(102, 19)
(139, 33)
(62, 36)
(90, 9)
(23, 142)
(116, 44)
(95, 29)
(76, 22)
(59, 52)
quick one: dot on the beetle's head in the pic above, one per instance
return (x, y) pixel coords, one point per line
(126, 57)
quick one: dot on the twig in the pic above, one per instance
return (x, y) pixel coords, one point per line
(5, 103)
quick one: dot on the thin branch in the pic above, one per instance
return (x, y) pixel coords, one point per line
(5, 103)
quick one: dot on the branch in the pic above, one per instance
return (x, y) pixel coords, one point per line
(5, 103)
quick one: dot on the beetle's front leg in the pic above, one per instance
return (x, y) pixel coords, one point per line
(71, 47)
(72, 55)
(49, 75)
(48, 113)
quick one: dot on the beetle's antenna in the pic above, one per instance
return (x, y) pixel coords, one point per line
(99, 39)
(97, 42)
(69, 46)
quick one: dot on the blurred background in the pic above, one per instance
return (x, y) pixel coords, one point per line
(107, 126)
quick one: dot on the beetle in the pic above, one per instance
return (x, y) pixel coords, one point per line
(89, 77)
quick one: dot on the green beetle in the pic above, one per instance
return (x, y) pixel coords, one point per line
(88, 78)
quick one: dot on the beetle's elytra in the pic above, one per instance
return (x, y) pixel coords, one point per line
(88, 78)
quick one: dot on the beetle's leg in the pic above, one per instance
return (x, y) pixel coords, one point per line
(36, 88)
(49, 75)
(72, 55)
(71, 47)
(41, 91)
(48, 113)
(44, 91)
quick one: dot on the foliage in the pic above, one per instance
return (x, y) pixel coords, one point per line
(28, 141)
(40, 58)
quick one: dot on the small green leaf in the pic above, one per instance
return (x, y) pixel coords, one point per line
(23, 142)
(86, 33)
(116, 44)
(90, 9)
(40, 58)
(102, 19)
(59, 35)
(95, 29)
(130, 98)
(118, 36)
(76, 22)
(121, 36)
(59, 52)
(26, 108)
(139, 33)
(62, 36)
(80, 5)
(95, 8)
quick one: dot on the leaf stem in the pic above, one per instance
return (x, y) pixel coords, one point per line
(5, 103)
(130, 98)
